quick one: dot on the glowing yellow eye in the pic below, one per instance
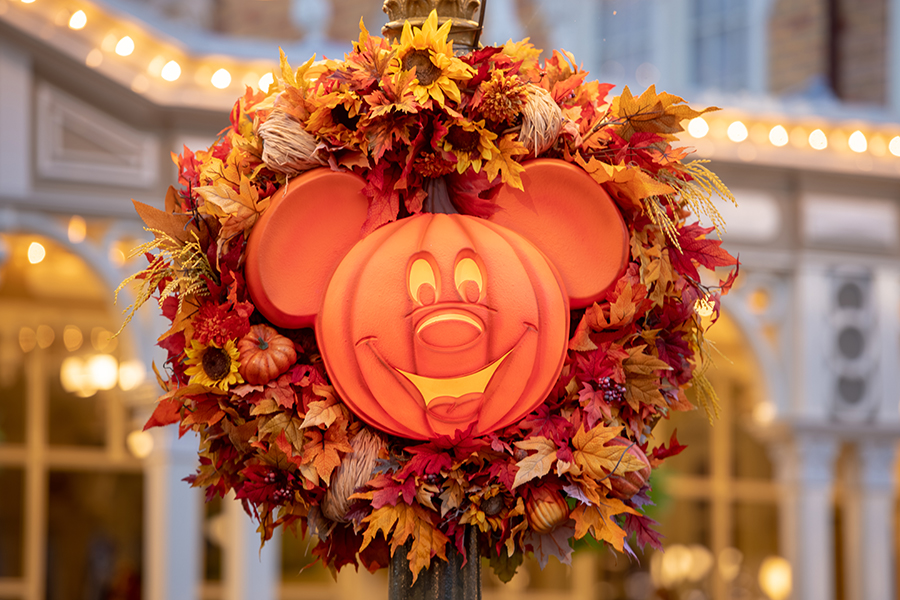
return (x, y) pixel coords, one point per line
(421, 273)
(467, 270)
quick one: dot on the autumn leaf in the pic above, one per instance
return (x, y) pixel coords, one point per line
(556, 543)
(597, 519)
(695, 246)
(167, 411)
(407, 521)
(236, 211)
(537, 464)
(642, 379)
(324, 451)
(505, 163)
(651, 112)
(176, 226)
(642, 526)
(322, 412)
(598, 460)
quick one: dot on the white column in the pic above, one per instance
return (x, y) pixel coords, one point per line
(172, 518)
(806, 471)
(893, 56)
(877, 468)
(15, 134)
(249, 573)
(811, 390)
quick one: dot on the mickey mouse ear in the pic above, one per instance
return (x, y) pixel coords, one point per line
(298, 242)
(573, 221)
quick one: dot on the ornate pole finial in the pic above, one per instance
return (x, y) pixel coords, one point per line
(465, 31)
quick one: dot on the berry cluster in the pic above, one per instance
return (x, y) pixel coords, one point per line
(612, 391)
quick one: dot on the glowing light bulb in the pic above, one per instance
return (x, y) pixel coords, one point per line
(857, 141)
(94, 58)
(894, 146)
(78, 20)
(125, 46)
(818, 140)
(737, 132)
(778, 136)
(27, 1)
(698, 127)
(77, 229)
(265, 81)
(171, 71)
(36, 253)
(221, 79)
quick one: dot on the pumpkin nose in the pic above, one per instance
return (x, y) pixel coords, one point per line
(449, 329)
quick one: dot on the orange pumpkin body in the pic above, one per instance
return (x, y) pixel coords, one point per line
(628, 484)
(439, 322)
(264, 354)
(546, 509)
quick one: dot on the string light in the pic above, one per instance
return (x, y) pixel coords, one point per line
(125, 46)
(778, 136)
(221, 79)
(894, 146)
(697, 127)
(171, 71)
(78, 20)
(268, 79)
(818, 140)
(36, 253)
(737, 132)
(77, 229)
(857, 141)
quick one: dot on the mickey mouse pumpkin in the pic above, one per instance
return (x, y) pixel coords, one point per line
(438, 322)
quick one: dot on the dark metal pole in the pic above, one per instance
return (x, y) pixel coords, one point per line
(449, 580)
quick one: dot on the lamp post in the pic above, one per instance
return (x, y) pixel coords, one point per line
(460, 577)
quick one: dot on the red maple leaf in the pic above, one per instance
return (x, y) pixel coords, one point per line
(642, 526)
(662, 452)
(389, 490)
(166, 412)
(695, 246)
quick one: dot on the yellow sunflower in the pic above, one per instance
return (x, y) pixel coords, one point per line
(437, 69)
(212, 366)
(471, 143)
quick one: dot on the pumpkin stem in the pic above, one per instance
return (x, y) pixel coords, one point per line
(263, 344)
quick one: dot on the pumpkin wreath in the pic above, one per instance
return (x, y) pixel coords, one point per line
(426, 131)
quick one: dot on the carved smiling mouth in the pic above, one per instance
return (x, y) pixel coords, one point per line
(454, 399)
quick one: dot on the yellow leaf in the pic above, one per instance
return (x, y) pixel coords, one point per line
(537, 464)
(597, 459)
(505, 163)
(661, 113)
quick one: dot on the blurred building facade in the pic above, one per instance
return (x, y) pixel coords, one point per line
(798, 477)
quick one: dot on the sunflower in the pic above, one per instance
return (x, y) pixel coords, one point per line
(213, 366)
(471, 143)
(437, 69)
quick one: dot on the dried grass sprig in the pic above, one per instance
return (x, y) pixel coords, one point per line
(698, 192)
(182, 266)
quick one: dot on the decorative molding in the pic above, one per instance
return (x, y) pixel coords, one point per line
(79, 143)
(860, 222)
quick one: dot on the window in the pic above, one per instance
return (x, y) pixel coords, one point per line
(71, 513)
(720, 44)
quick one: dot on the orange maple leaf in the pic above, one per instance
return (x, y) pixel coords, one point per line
(661, 113)
(598, 460)
(597, 519)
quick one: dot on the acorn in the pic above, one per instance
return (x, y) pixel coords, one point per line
(546, 509)
(628, 484)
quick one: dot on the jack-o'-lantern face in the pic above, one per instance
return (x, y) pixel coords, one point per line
(437, 323)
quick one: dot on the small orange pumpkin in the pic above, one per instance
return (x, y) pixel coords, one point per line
(546, 509)
(264, 354)
(628, 484)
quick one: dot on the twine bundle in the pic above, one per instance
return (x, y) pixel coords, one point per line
(542, 120)
(353, 472)
(287, 147)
